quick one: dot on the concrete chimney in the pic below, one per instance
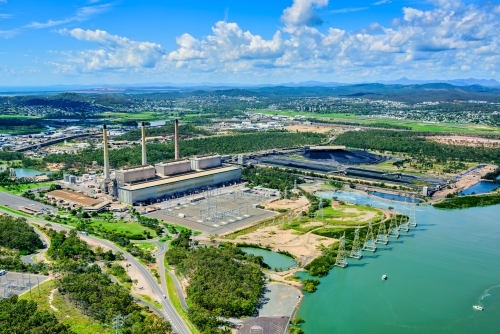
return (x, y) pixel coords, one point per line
(106, 153)
(144, 159)
(176, 139)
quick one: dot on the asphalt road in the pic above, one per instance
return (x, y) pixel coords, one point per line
(168, 309)
(14, 202)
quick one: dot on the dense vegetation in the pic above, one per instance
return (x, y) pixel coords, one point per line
(16, 233)
(9, 156)
(412, 143)
(68, 246)
(493, 176)
(166, 130)
(274, 178)
(23, 317)
(463, 202)
(101, 299)
(161, 152)
(223, 281)
(368, 125)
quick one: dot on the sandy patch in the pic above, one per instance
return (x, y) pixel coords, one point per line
(311, 224)
(308, 128)
(466, 141)
(93, 243)
(142, 287)
(51, 298)
(300, 204)
(303, 246)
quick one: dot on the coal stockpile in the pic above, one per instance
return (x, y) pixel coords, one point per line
(354, 157)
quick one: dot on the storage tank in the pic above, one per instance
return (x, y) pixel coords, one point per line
(242, 159)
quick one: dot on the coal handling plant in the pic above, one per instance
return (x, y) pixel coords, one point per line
(147, 183)
(341, 155)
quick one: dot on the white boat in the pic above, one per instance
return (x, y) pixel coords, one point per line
(384, 277)
(478, 307)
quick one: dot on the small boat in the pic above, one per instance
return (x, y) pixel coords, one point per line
(478, 307)
(384, 277)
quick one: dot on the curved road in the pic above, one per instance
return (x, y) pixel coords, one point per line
(168, 309)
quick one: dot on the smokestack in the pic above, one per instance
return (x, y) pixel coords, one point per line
(106, 154)
(144, 159)
(176, 139)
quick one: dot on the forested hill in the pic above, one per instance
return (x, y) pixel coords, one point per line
(16, 233)
(240, 143)
(410, 142)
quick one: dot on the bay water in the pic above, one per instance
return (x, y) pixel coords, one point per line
(436, 273)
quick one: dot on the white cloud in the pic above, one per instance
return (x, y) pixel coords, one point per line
(82, 14)
(5, 16)
(348, 10)
(496, 10)
(302, 13)
(381, 2)
(115, 53)
(444, 40)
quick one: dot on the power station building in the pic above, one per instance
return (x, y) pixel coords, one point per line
(146, 182)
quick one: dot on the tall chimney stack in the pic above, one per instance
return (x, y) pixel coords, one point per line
(176, 139)
(144, 159)
(106, 154)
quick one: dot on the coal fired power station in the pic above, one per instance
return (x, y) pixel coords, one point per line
(147, 182)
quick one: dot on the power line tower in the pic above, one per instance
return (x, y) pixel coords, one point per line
(356, 246)
(341, 260)
(412, 217)
(403, 223)
(393, 230)
(369, 244)
(118, 323)
(321, 212)
(382, 234)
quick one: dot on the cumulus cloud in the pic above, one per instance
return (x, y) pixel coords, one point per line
(447, 38)
(115, 52)
(302, 12)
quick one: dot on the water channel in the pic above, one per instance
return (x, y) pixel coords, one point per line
(436, 273)
(482, 187)
(272, 259)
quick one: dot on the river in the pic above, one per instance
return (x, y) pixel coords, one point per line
(436, 272)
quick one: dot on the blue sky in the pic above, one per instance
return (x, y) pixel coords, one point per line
(246, 41)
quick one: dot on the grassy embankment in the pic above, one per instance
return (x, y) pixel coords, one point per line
(414, 125)
(463, 202)
(66, 312)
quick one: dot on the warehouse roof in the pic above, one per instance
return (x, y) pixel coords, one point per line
(75, 197)
(183, 177)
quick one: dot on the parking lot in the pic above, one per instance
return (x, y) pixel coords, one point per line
(16, 283)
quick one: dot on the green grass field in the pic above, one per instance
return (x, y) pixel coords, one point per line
(21, 188)
(15, 211)
(118, 226)
(414, 125)
(146, 246)
(66, 312)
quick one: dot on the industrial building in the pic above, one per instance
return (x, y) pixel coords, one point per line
(148, 183)
(73, 200)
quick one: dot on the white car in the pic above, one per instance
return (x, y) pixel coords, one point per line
(3, 272)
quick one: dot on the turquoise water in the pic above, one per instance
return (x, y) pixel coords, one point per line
(272, 259)
(482, 187)
(436, 272)
(27, 172)
(394, 197)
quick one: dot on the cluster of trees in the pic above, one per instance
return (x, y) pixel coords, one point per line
(16, 233)
(68, 246)
(224, 281)
(463, 202)
(412, 143)
(21, 126)
(493, 176)
(9, 156)
(160, 152)
(166, 130)
(274, 178)
(23, 317)
(101, 299)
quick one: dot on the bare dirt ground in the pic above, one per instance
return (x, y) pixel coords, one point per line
(308, 128)
(54, 167)
(464, 182)
(303, 246)
(300, 204)
(93, 243)
(51, 298)
(466, 141)
(142, 287)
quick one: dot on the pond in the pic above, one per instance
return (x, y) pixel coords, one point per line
(482, 187)
(272, 259)
(27, 172)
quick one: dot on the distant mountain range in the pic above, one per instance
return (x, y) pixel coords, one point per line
(169, 86)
